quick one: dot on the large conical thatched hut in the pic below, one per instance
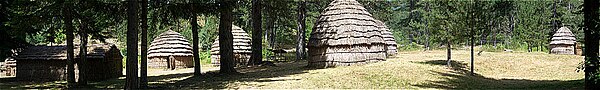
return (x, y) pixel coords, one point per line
(390, 42)
(346, 34)
(170, 50)
(563, 42)
(241, 47)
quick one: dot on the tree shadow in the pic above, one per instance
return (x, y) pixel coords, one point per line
(208, 80)
(461, 78)
(16, 83)
(216, 80)
(456, 65)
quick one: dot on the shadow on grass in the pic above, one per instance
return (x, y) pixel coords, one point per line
(209, 80)
(15, 83)
(215, 80)
(461, 78)
(454, 64)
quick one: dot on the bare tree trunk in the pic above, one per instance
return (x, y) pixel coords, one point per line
(300, 47)
(427, 27)
(70, 52)
(472, 54)
(590, 10)
(554, 23)
(226, 38)
(131, 81)
(194, 24)
(257, 32)
(144, 45)
(410, 17)
(82, 63)
(449, 47)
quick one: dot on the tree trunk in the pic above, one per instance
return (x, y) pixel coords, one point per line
(194, 24)
(226, 38)
(70, 52)
(427, 28)
(472, 48)
(590, 10)
(131, 81)
(300, 47)
(144, 45)
(554, 24)
(449, 47)
(410, 17)
(257, 31)
(82, 63)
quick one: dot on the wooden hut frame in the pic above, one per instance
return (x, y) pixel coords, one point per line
(242, 47)
(346, 34)
(170, 44)
(563, 42)
(50, 62)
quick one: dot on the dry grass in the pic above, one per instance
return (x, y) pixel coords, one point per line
(416, 69)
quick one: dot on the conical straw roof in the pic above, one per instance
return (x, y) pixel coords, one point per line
(241, 45)
(390, 42)
(346, 34)
(563, 36)
(170, 43)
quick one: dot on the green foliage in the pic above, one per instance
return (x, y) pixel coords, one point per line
(410, 47)
(492, 48)
(205, 57)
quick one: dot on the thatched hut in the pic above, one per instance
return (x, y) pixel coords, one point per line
(563, 42)
(8, 67)
(242, 48)
(170, 50)
(50, 62)
(390, 42)
(346, 34)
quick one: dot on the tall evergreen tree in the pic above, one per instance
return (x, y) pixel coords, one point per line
(131, 81)
(144, 45)
(194, 24)
(257, 32)
(225, 37)
(67, 19)
(590, 10)
(301, 45)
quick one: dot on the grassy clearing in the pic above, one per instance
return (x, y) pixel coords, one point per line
(415, 69)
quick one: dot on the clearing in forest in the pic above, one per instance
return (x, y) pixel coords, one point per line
(415, 69)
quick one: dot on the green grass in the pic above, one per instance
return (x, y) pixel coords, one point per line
(409, 70)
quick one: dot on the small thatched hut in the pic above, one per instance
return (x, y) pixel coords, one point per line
(390, 42)
(8, 67)
(242, 48)
(170, 50)
(50, 62)
(563, 42)
(346, 34)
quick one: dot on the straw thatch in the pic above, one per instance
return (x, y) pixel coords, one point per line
(170, 44)
(346, 34)
(242, 48)
(563, 42)
(390, 42)
(49, 62)
(8, 67)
